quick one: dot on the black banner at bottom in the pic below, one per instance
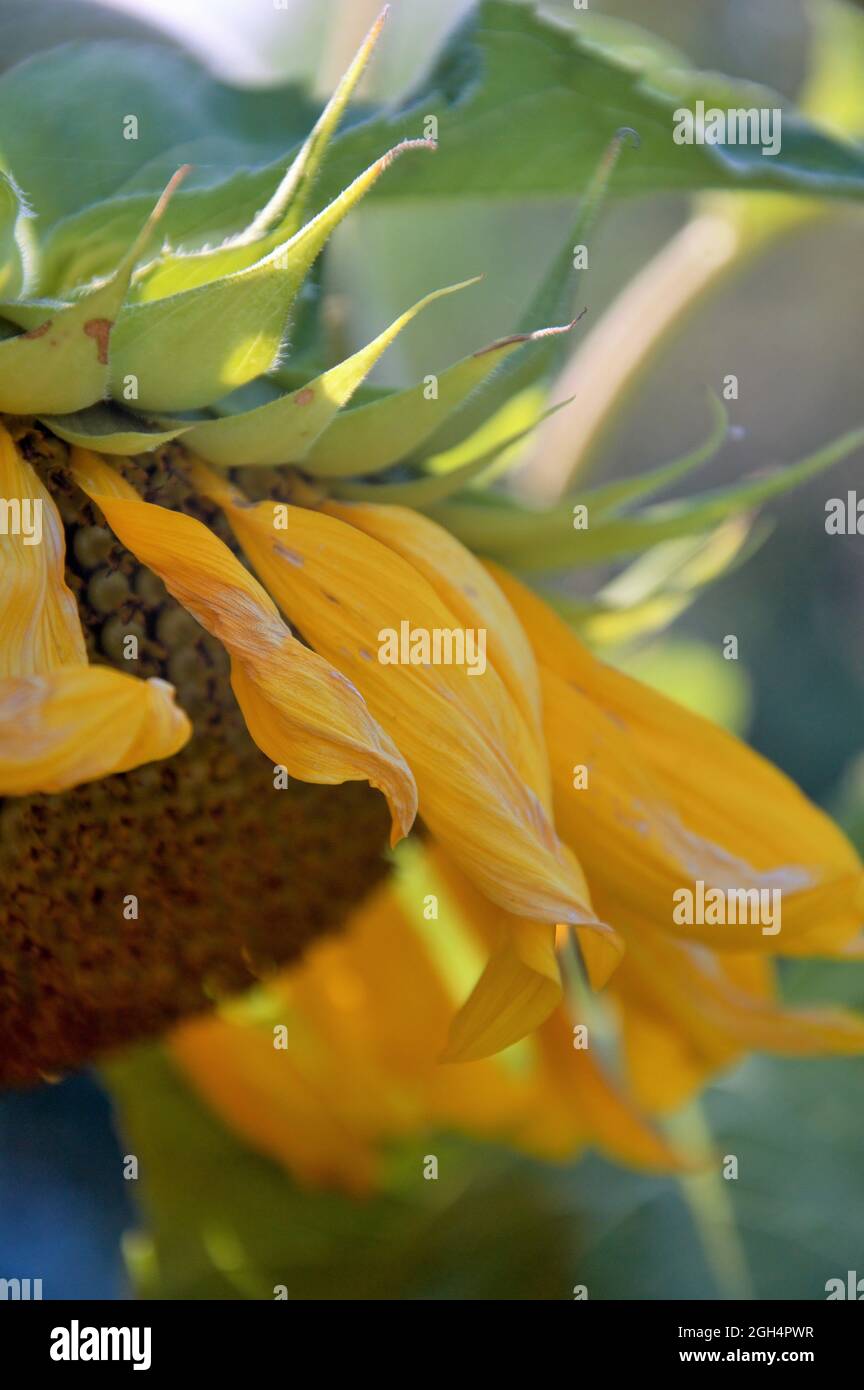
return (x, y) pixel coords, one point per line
(154, 1338)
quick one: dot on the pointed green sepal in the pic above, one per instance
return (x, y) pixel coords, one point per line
(187, 350)
(660, 585)
(384, 432)
(612, 498)
(281, 217)
(557, 539)
(60, 363)
(284, 430)
(552, 303)
(436, 483)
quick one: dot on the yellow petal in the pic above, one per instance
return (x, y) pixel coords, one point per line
(265, 1098)
(379, 1008)
(606, 1116)
(850, 950)
(39, 625)
(662, 1068)
(366, 1012)
(300, 711)
(519, 988)
(521, 984)
(672, 800)
(687, 1013)
(80, 723)
(464, 585)
(474, 758)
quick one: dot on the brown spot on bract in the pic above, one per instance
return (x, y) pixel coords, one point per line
(38, 332)
(305, 397)
(100, 330)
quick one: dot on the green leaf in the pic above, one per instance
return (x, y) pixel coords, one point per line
(284, 430)
(109, 430)
(28, 29)
(527, 540)
(560, 96)
(389, 430)
(72, 151)
(191, 348)
(220, 1222)
(786, 1233)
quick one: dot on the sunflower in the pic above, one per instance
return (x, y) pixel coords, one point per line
(230, 674)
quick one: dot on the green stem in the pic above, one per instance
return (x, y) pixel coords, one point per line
(709, 1199)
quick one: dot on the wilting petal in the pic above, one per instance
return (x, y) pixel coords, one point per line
(80, 723)
(521, 984)
(519, 988)
(686, 1013)
(471, 752)
(39, 625)
(576, 1102)
(300, 711)
(62, 722)
(673, 800)
(465, 586)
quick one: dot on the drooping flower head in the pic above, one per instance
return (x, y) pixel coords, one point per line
(229, 610)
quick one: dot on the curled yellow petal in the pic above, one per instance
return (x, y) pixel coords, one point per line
(300, 711)
(79, 723)
(669, 802)
(39, 625)
(521, 984)
(479, 777)
(519, 988)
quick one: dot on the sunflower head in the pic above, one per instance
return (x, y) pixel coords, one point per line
(155, 856)
(230, 645)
